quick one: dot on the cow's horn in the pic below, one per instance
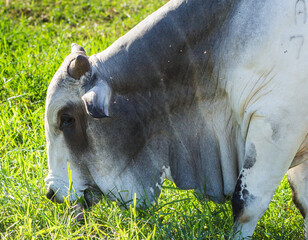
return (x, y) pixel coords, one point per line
(76, 48)
(79, 66)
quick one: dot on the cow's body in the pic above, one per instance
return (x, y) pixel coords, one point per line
(210, 94)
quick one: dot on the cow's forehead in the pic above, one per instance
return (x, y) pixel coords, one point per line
(60, 92)
(60, 99)
(64, 90)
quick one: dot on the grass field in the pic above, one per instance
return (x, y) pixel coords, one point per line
(35, 37)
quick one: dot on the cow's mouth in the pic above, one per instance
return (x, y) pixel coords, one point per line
(92, 195)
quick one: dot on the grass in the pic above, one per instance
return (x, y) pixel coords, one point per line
(35, 38)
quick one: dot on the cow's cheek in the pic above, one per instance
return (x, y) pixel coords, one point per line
(57, 178)
(65, 168)
(57, 158)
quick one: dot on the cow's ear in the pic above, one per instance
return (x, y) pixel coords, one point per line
(97, 100)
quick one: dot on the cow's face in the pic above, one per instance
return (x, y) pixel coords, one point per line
(87, 148)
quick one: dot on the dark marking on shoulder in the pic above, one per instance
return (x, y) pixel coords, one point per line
(250, 157)
(275, 131)
(237, 202)
(241, 198)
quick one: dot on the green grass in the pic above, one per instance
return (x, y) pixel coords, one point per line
(35, 38)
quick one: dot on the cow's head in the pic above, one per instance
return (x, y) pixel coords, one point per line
(95, 137)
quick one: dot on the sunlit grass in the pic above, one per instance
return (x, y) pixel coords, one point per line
(35, 38)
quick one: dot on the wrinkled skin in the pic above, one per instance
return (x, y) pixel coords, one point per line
(209, 94)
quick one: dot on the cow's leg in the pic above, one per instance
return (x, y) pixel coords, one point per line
(269, 149)
(298, 179)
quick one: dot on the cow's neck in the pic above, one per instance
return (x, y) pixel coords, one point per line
(166, 68)
(174, 46)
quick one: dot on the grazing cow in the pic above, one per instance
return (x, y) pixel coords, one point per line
(211, 94)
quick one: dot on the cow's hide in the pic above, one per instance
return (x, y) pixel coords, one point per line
(212, 95)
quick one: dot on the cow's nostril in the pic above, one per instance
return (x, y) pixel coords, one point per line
(50, 195)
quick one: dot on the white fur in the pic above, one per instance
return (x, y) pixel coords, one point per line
(268, 85)
(58, 176)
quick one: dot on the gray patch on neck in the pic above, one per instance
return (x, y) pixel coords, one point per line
(250, 157)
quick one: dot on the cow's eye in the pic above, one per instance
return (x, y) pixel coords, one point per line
(66, 121)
